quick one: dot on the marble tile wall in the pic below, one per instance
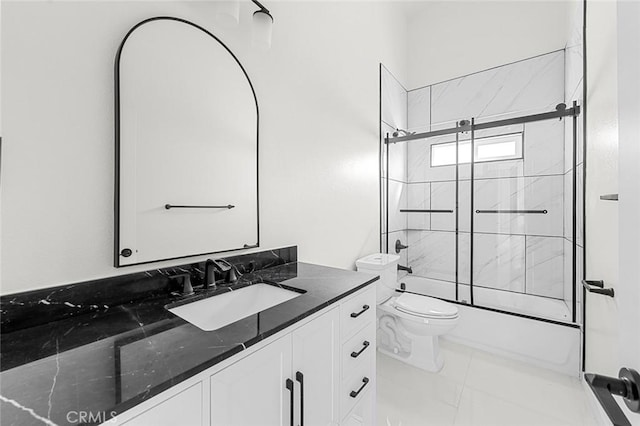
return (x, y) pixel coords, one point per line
(529, 193)
(390, 246)
(419, 198)
(544, 143)
(397, 157)
(543, 152)
(567, 271)
(397, 201)
(516, 263)
(419, 109)
(545, 266)
(431, 254)
(394, 115)
(513, 252)
(520, 88)
(499, 262)
(394, 101)
(573, 92)
(443, 198)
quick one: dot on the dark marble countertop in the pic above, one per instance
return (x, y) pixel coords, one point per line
(110, 360)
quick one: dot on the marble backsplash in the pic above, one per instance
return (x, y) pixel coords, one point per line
(33, 308)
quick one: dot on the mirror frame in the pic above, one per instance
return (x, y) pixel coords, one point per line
(117, 253)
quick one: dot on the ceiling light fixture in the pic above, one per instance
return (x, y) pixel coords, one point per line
(262, 27)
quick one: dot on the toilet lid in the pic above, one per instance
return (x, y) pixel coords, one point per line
(425, 306)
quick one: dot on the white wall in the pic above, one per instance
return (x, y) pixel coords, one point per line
(612, 244)
(628, 290)
(318, 93)
(601, 254)
(450, 39)
(628, 15)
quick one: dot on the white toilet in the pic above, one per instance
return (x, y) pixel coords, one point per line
(408, 324)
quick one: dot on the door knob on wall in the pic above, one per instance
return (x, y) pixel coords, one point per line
(627, 385)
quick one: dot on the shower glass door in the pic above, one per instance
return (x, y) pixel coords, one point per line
(437, 213)
(520, 212)
(482, 187)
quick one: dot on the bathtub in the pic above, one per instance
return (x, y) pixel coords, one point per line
(551, 341)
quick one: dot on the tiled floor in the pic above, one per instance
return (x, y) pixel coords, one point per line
(480, 389)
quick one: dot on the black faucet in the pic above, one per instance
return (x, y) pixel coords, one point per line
(405, 268)
(222, 267)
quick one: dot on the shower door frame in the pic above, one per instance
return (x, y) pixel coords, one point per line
(464, 126)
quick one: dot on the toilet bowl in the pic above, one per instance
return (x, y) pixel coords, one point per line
(409, 324)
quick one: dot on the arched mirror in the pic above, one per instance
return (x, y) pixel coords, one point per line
(186, 145)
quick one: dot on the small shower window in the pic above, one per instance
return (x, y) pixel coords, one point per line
(493, 148)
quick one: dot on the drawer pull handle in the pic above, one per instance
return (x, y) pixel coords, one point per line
(354, 394)
(357, 314)
(365, 345)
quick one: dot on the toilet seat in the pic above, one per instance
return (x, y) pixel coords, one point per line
(426, 307)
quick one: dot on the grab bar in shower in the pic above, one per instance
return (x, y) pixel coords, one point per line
(425, 211)
(514, 211)
(597, 286)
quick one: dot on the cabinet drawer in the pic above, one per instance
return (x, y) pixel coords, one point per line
(354, 388)
(358, 350)
(357, 311)
(362, 413)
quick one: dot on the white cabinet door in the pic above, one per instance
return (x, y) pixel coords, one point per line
(252, 391)
(184, 408)
(316, 364)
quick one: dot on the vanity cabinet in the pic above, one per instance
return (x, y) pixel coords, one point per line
(293, 376)
(319, 371)
(316, 363)
(183, 408)
(358, 359)
(252, 391)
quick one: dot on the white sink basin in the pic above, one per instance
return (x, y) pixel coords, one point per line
(217, 311)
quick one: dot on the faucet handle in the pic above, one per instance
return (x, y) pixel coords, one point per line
(224, 268)
(184, 281)
(231, 272)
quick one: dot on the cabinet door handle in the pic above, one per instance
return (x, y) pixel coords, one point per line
(300, 379)
(365, 345)
(354, 394)
(357, 314)
(289, 384)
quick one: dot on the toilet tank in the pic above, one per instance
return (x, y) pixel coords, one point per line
(385, 265)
